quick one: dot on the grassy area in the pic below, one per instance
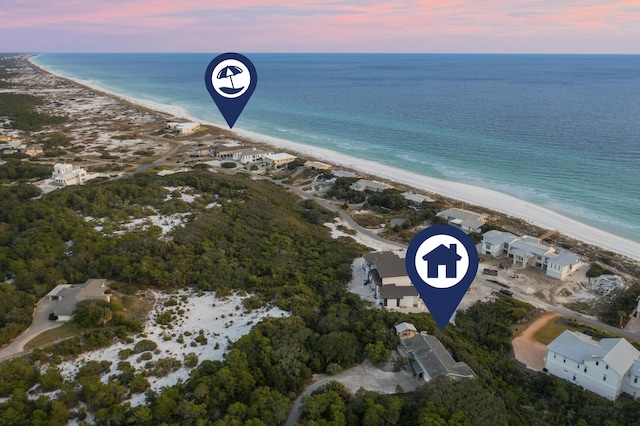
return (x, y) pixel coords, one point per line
(65, 330)
(555, 327)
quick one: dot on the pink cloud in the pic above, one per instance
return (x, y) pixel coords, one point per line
(330, 25)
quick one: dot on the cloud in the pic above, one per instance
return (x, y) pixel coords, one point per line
(330, 25)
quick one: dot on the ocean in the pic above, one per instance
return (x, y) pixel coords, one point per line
(561, 131)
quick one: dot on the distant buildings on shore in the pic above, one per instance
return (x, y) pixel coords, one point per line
(183, 128)
(65, 174)
(466, 220)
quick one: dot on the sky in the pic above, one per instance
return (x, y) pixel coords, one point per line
(429, 26)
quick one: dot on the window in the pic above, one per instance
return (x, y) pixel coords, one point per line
(604, 378)
(554, 356)
(635, 380)
(564, 360)
(574, 377)
(606, 367)
(585, 369)
(597, 362)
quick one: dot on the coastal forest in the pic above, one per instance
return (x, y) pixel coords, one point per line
(253, 236)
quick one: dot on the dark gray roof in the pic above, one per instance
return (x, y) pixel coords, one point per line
(388, 264)
(433, 358)
(392, 291)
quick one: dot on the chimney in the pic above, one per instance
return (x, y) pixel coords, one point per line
(453, 248)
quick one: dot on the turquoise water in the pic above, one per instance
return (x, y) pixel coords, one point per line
(562, 131)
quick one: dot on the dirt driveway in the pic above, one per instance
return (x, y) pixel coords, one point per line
(365, 376)
(527, 349)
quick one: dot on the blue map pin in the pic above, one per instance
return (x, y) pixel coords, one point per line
(442, 262)
(231, 79)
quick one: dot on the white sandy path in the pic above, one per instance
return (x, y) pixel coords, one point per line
(488, 198)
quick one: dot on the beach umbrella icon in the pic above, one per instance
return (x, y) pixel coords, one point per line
(228, 72)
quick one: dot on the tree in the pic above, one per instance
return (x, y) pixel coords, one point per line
(92, 313)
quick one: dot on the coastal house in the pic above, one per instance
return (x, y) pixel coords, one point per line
(68, 174)
(317, 165)
(67, 296)
(183, 128)
(529, 251)
(466, 220)
(279, 159)
(34, 150)
(392, 284)
(607, 367)
(343, 174)
(369, 186)
(201, 151)
(428, 358)
(416, 198)
(222, 152)
(250, 155)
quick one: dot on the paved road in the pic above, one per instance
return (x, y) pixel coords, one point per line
(330, 206)
(39, 324)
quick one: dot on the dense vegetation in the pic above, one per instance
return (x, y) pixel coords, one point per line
(16, 308)
(21, 110)
(16, 170)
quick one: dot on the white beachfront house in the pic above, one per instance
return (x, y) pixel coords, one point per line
(607, 367)
(529, 251)
(393, 286)
(67, 174)
(466, 220)
(369, 186)
(416, 198)
(317, 165)
(279, 159)
(250, 155)
(183, 128)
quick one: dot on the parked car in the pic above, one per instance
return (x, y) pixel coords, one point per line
(507, 292)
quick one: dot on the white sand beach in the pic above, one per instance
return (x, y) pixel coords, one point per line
(476, 195)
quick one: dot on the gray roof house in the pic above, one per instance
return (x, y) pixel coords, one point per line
(466, 220)
(389, 273)
(68, 296)
(428, 358)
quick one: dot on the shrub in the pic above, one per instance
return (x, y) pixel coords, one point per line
(144, 345)
(228, 165)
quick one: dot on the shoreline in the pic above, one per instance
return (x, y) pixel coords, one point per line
(482, 197)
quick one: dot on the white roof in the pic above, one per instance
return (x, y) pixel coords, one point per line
(616, 352)
(187, 125)
(405, 326)
(460, 214)
(280, 156)
(498, 237)
(343, 173)
(563, 259)
(317, 165)
(417, 198)
(529, 246)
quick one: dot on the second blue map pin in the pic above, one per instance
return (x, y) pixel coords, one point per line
(231, 79)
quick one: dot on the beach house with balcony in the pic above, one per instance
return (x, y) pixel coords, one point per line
(392, 284)
(607, 367)
(529, 251)
(67, 174)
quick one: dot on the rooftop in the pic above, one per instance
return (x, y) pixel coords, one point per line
(433, 358)
(388, 264)
(616, 352)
